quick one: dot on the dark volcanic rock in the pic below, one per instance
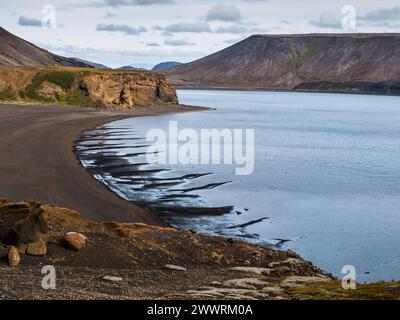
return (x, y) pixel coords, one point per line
(351, 87)
(22, 223)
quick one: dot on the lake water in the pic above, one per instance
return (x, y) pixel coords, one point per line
(326, 178)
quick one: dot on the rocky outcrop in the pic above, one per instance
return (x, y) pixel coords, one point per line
(22, 223)
(86, 87)
(128, 90)
(50, 90)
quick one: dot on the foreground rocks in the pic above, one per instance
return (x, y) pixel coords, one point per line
(13, 257)
(23, 222)
(61, 234)
(113, 260)
(75, 241)
(37, 248)
(24, 227)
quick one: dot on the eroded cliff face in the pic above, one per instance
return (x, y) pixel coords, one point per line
(85, 87)
(128, 89)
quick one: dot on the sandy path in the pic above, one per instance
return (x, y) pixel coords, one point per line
(37, 160)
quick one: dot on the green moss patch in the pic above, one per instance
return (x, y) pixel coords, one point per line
(301, 59)
(76, 97)
(65, 79)
(334, 291)
(8, 95)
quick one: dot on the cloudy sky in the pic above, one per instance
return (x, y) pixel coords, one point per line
(145, 32)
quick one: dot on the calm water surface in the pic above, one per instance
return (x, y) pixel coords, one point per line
(327, 174)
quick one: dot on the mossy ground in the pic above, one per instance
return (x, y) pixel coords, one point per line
(66, 78)
(334, 291)
(63, 78)
(300, 59)
(7, 95)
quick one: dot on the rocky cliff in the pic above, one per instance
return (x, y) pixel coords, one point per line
(85, 87)
(327, 62)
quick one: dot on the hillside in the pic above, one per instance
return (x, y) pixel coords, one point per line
(166, 65)
(322, 62)
(90, 63)
(131, 68)
(15, 51)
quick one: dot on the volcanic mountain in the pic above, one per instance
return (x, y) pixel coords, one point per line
(15, 51)
(321, 62)
(166, 65)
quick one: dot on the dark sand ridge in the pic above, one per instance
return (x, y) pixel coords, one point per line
(37, 160)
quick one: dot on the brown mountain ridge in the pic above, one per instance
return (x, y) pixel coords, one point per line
(320, 62)
(15, 51)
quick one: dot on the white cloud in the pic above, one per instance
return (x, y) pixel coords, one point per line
(24, 21)
(327, 20)
(116, 3)
(223, 12)
(195, 27)
(120, 28)
(178, 42)
(383, 14)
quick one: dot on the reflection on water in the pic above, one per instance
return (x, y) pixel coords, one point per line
(123, 167)
(326, 181)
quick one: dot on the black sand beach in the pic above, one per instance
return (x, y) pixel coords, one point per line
(37, 159)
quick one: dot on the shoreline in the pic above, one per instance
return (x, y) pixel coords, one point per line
(256, 89)
(75, 201)
(38, 160)
(132, 251)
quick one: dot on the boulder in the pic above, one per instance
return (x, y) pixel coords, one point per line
(273, 291)
(256, 270)
(112, 279)
(37, 249)
(174, 268)
(50, 90)
(14, 258)
(298, 281)
(246, 283)
(22, 223)
(75, 241)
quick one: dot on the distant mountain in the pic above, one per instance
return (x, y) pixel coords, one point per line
(15, 51)
(322, 62)
(166, 65)
(93, 64)
(131, 68)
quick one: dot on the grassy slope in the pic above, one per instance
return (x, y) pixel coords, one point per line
(334, 291)
(62, 76)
